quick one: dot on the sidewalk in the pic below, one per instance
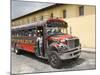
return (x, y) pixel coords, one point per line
(89, 50)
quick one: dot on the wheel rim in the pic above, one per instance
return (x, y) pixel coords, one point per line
(16, 51)
(53, 59)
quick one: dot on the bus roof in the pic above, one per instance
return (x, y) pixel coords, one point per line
(38, 23)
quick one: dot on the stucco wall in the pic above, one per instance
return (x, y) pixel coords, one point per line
(84, 28)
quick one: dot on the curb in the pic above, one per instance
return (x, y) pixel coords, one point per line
(88, 50)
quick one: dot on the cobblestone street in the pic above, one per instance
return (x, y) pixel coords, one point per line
(29, 63)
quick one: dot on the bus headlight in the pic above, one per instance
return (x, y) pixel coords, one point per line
(62, 48)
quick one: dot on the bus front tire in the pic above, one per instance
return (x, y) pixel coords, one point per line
(54, 60)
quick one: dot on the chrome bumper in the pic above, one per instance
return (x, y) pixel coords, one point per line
(70, 55)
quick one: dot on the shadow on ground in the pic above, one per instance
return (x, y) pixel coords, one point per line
(72, 63)
(66, 63)
(32, 56)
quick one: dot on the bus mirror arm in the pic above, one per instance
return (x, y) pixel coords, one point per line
(70, 30)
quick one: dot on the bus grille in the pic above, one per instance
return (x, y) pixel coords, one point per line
(73, 43)
(77, 42)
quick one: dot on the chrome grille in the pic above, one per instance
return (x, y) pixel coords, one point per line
(73, 43)
(76, 42)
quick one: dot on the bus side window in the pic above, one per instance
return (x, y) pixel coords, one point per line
(34, 32)
(29, 32)
(17, 34)
(12, 34)
(26, 33)
(23, 33)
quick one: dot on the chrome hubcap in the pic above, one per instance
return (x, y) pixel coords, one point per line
(16, 51)
(53, 59)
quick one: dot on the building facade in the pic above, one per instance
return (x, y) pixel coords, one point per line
(80, 19)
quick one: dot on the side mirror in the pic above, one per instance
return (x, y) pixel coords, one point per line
(70, 30)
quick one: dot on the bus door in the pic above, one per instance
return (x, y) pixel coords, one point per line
(40, 39)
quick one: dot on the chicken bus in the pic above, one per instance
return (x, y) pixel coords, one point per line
(54, 44)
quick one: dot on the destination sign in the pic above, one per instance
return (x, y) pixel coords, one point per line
(57, 24)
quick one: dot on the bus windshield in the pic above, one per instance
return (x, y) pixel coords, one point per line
(54, 28)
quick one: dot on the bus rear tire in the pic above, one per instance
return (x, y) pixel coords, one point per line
(17, 51)
(54, 60)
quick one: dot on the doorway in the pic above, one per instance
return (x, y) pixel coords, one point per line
(40, 39)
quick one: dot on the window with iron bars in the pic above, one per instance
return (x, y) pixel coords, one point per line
(81, 10)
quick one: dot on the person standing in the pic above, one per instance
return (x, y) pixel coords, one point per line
(40, 44)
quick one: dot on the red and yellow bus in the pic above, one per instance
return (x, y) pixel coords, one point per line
(56, 44)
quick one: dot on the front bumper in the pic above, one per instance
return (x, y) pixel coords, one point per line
(70, 55)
